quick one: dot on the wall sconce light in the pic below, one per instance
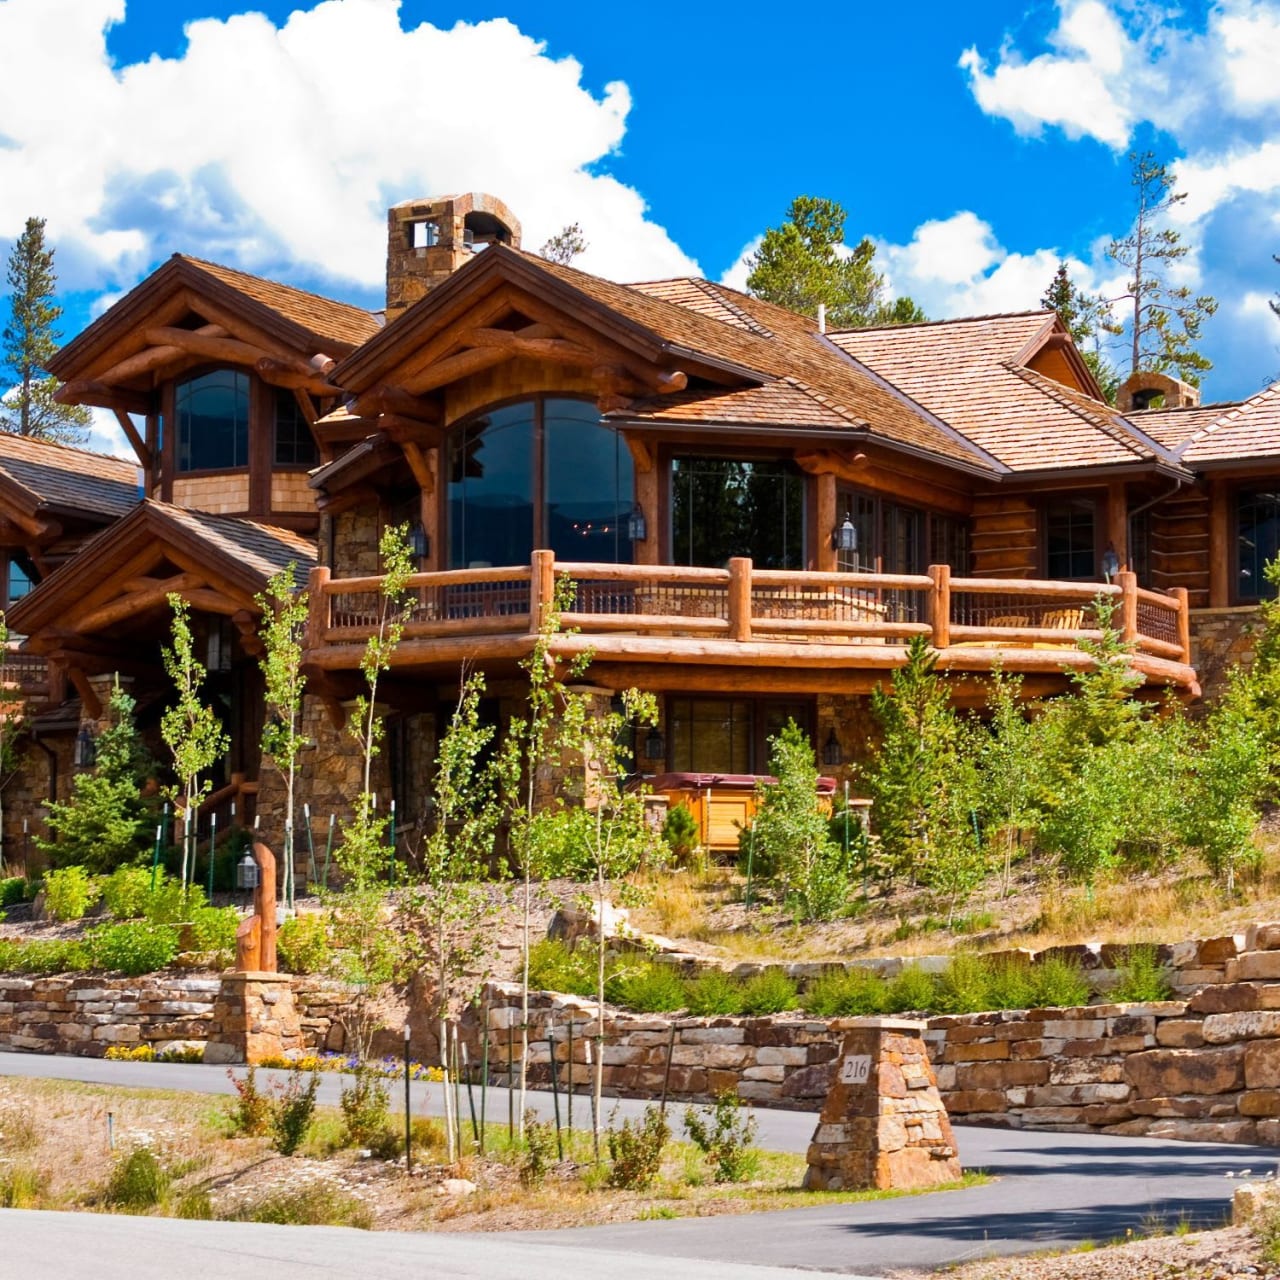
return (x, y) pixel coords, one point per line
(845, 537)
(85, 752)
(831, 752)
(419, 542)
(637, 525)
(655, 748)
(247, 873)
(1110, 562)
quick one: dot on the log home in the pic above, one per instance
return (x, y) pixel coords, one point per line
(756, 514)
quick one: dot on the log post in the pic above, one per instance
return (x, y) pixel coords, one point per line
(1127, 581)
(542, 588)
(739, 598)
(1219, 545)
(317, 608)
(264, 907)
(938, 606)
(1184, 621)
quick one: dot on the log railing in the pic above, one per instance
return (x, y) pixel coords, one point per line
(742, 603)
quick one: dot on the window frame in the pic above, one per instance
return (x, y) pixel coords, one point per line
(274, 395)
(757, 737)
(1238, 496)
(874, 507)
(173, 427)
(1094, 503)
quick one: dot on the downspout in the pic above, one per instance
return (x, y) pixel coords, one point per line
(1137, 511)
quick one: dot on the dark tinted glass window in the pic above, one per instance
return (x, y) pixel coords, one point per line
(295, 445)
(724, 507)
(491, 489)
(213, 421)
(1070, 550)
(588, 485)
(1257, 540)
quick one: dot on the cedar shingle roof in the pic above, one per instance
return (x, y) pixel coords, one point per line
(323, 316)
(56, 475)
(1248, 430)
(795, 351)
(265, 548)
(1174, 427)
(970, 373)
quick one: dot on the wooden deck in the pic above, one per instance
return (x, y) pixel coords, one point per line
(790, 629)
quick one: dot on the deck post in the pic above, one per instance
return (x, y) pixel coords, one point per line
(317, 607)
(542, 588)
(739, 598)
(1184, 621)
(1127, 581)
(938, 605)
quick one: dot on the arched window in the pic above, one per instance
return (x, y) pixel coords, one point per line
(544, 472)
(212, 412)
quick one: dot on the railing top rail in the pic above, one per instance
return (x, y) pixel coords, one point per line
(1159, 599)
(1034, 587)
(871, 581)
(438, 578)
(641, 572)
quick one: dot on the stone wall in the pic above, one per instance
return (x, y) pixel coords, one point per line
(1222, 639)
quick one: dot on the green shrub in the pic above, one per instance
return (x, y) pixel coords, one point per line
(724, 1135)
(680, 831)
(911, 991)
(132, 948)
(22, 1187)
(365, 1105)
(553, 967)
(318, 1205)
(1142, 977)
(1010, 985)
(838, 993)
(69, 893)
(302, 944)
(214, 929)
(14, 889)
(292, 1110)
(125, 892)
(44, 956)
(138, 1182)
(768, 992)
(196, 1205)
(713, 993)
(964, 986)
(635, 1154)
(170, 903)
(539, 1150)
(1058, 984)
(646, 988)
(251, 1111)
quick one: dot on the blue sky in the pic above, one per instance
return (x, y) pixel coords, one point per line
(975, 143)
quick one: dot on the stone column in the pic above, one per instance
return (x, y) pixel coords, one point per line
(883, 1125)
(254, 1017)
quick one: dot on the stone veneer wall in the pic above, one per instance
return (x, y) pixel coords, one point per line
(1222, 639)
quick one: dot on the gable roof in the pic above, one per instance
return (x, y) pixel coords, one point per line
(242, 552)
(40, 474)
(973, 374)
(1174, 427)
(1248, 430)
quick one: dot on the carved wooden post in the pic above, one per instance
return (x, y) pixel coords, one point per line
(1128, 583)
(739, 598)
(317, 608)
(1184, 621)
(542, 588)
(264, 907)
(939, 605)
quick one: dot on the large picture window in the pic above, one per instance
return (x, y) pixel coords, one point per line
(1071, 551)
(212, 412)
(724, 507)
(1257, 539)
(540, 473)
(728, 735)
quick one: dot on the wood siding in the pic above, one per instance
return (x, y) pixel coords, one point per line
(1005, 536)
(1180, 545)
(223, 494)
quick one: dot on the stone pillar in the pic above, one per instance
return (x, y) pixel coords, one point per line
(883, 1125)
(254, 1017)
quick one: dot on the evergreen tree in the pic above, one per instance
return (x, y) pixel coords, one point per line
(30, 342)
(805, 262)
(1167, 319)
(1087, 317)
(565, 245)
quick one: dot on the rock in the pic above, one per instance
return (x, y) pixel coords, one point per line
(455, 1187)
(1262, 936)
(1254, 966)
(1250, 1199)
(1224, 999)
(1219, 950)
(571, 923)
(1180, 1033)
(1262, 1064)
(1158, 1073)
(1248, 1024)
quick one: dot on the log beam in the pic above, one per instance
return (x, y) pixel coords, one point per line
(90, 703)
(93, 392)
(395, 400)
(134, 437)
(462, 365)
(282, 374)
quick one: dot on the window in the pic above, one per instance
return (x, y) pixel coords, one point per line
(1070, 549)
(728, 735)
(17, 581)
(295, 446)
(540, 473)
(213, 421)
(723, 507)
(949, 543)
(893, 538)
(1257, 539)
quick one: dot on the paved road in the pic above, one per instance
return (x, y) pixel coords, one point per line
(1054, 1190)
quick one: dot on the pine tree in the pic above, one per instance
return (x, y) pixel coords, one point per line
(1167, 319)
(1087, 317)
(805, 263)
(30, 342)
(565, 245)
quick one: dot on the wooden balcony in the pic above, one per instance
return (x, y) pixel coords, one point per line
(26, 675)
(671, 627)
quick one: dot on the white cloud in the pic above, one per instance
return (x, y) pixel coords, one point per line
(279, 148)
(735, 276)
(105, 435)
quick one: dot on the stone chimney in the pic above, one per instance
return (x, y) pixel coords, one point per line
(1140, 391)
(428, 240)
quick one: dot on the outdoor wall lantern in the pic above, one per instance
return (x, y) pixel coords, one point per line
(654, 746)
(845, 537)
(247, 873)
(637, 525)
(1110, 562)
(831, 753)
(85, 752)
(419, 542)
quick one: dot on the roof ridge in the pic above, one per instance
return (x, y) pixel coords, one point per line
(931, 324)
(713, 291)
(278, 284)
(69, 448)
(1232, 415)
(826, 401)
